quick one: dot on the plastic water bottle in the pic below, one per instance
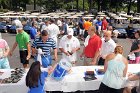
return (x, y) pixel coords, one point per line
(81, 59)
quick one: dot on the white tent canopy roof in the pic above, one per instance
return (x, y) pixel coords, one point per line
(117, 17)
(100, 13)
(136, 18)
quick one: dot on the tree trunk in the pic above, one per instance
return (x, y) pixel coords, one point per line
(34, 4)
(129, 7)
(138, 6)
(77, 4)
(117, 5)
(98, 1)
(90, 3)
(83, 5)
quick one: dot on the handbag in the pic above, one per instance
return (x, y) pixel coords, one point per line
(131, 57)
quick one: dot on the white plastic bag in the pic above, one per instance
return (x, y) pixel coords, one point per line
(131, 56)
(39, 56)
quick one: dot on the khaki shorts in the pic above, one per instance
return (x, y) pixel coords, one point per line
(87, 61)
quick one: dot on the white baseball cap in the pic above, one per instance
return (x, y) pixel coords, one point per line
(18, 24)
(70, 31)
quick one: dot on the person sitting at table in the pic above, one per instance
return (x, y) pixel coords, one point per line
(4, 50)
(115, 71)
(35, 78)
(133, 77)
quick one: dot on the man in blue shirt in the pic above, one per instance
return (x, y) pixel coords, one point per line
(46, 44)
(33, 31)
(98, 25)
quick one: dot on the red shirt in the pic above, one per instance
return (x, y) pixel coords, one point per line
(94, 44)
(104, 24)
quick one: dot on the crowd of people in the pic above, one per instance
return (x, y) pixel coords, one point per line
(100, 48)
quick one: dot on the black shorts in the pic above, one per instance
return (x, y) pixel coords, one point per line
(85, 33)
(23, 55)
(105, 89)
(133, 90)
(101, 61)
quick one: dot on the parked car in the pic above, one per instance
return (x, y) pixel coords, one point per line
(12, 29)
(3, 27)
(27, 28)
(122, 33)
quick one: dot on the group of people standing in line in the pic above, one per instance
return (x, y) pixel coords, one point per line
(99, 49)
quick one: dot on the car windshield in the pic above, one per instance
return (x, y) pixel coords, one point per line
(2, 23)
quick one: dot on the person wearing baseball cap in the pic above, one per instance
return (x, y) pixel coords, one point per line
(69, 45)
(23, 42)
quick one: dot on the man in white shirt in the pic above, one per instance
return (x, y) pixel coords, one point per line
(108, 46)
(69, 45)
(53, 30)
(59, 23)
(114, 33)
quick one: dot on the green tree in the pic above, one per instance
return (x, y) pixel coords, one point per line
(4, 4)
(138, 6)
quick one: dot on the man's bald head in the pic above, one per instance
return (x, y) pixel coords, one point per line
(107, 35)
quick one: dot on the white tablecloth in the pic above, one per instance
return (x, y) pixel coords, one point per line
(71, 82)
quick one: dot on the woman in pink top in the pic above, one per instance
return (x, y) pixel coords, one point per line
(4, 50)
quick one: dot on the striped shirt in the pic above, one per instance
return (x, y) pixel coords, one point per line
(46, 47)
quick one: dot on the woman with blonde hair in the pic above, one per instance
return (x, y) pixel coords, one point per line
(115, 71)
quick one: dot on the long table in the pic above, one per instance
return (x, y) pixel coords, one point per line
(73, 81)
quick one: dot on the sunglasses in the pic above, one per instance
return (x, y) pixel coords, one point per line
(106, 36)
(119, 46)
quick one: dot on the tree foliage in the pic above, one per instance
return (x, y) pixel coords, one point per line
(52, 5)
(4, 4)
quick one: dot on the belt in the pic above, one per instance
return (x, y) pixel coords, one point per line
(22, 49)
(88, 57)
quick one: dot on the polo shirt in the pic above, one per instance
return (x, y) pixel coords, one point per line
(107, 47)
(22, 39)
(93, 44)
(69, 45)
(46, 47)
(104, 25)
(87, 24)
(53, 30)
(99, 23)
